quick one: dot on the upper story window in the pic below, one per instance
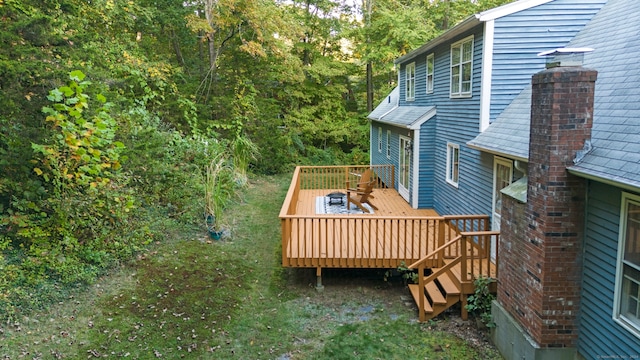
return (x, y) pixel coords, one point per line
(453, 163)
(429, 73)
(627, 295)
(461, 67)
(380, 139)
(410, 81)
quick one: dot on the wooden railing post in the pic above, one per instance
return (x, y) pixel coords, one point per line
(497, 255)
(442, 224)
(421, 310)
(463, 264)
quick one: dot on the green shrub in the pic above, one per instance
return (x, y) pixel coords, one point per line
(479, 303)
(73, 218)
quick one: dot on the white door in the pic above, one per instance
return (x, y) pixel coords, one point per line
(404, 163)
(502, 177)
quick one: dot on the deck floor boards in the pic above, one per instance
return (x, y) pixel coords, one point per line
(349, 235)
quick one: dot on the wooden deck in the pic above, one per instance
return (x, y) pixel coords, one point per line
(389, 202)
(449, 252)
(393, 235)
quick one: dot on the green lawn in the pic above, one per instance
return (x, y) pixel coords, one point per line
(231, 299)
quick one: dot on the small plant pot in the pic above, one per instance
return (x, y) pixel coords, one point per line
(215, 234)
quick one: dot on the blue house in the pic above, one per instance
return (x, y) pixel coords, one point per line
(452, 88)
(458, 129)
(605, 320)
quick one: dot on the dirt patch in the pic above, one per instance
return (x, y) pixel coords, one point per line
(357, 294)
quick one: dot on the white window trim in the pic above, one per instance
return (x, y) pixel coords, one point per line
(617, 317)
(450, 148)
(380, 139)
(410, 82)
(389, 144)
(460, 93)
(430, 85)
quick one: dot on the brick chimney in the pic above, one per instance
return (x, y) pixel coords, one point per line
(540, 269)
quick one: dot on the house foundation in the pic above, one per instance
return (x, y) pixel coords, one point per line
(515, 343)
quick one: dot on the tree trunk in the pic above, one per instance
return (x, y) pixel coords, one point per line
(445, 20)
(176, 48)
(369, 87)
(368, 6)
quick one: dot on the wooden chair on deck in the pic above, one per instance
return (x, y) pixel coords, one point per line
(361, 192)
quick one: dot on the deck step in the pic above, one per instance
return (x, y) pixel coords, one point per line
(448, 284)
(435, 294)
(416, 292)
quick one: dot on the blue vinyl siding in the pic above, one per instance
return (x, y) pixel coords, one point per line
(381, 158)
(458, 122)
(519, 37)
(597, 328)
(427, 165)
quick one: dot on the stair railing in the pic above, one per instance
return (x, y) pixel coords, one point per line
(420, 265)
(470, 246)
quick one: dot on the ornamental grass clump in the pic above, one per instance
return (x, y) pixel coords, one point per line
(219, 188)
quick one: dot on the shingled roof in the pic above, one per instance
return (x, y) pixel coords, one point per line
(615, 153)
(410, 117)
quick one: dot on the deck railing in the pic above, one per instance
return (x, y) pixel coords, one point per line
(359, 242)
(371, 241)
(335, 177)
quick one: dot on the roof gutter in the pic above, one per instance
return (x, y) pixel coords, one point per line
(470, 22)
(605, 179)
(498, 152)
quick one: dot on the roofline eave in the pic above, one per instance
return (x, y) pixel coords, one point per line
(470, 22)
(465, 25)
(498, 152)
(605, 179)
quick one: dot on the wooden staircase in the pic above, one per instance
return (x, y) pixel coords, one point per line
(468, 258)
(438, 295)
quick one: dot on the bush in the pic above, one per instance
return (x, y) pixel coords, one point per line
(479, 303)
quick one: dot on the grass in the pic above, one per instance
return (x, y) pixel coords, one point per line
(193, 298)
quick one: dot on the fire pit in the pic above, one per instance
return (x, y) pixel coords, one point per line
(336, 198)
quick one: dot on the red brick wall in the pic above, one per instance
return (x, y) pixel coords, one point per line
(514, 260)
(540, 273)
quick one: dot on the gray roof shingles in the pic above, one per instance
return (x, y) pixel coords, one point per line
(616, 125)
(389, 112)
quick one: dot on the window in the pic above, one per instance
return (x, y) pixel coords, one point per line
(410, 82)
(627, 307)
(429, 73)
(388, 144)
(380, 139)
(461, 67)
(453, 163)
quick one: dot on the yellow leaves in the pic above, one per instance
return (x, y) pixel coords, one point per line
(253, 48)
(29, 94)
(38, 171)
(197, 24)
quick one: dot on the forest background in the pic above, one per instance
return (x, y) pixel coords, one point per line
(111, 112)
